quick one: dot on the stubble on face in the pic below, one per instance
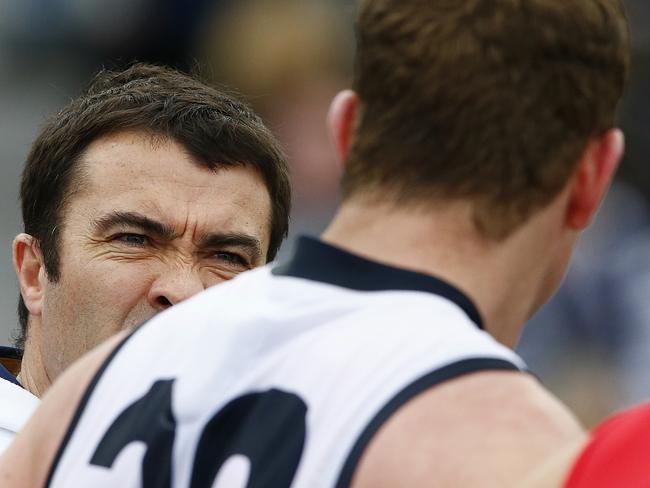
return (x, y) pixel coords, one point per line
(116, 271)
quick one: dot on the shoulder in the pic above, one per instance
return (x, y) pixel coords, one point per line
(489, 425)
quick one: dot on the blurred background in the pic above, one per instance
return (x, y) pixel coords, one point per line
(590, 344)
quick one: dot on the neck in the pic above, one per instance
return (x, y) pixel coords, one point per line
(506, 280)
(33, 375)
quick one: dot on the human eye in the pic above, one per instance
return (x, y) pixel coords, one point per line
(133, 240)
(230, 258)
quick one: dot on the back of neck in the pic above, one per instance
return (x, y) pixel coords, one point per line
(500, 278)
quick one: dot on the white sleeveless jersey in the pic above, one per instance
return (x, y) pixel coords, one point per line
(278, 378)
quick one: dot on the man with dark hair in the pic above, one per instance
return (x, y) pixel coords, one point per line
(478, 144)
(148, 188)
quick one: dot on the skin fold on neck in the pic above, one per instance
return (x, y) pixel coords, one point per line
(33, 375)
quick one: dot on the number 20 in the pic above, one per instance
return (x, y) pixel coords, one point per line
(268, 428)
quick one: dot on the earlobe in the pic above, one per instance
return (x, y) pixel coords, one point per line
(341, 120)
(593, 177)
(28, 264)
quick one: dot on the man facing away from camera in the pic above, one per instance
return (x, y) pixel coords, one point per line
(478, 143)
(143, 191)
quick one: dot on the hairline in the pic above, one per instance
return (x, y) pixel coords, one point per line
(80, 176)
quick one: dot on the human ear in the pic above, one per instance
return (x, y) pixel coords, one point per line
(593, 176)
(341, 120)
(28, 264)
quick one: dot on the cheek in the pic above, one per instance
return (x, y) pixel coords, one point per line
(211, 279)
(98, 298)
(88, 305)
(116, 289)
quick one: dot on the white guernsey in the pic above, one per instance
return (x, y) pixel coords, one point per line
(289, 387)
(16, 406)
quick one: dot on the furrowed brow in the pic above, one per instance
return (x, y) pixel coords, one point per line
(248, 243)
(134, 220)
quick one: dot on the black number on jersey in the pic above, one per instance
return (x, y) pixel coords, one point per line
(149, 420)
(267, 428)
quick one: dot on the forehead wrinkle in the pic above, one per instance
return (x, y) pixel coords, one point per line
(197, 226)
(192, 211)
(134, 219)
(201, 229)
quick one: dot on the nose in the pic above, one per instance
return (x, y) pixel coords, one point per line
(173, 287)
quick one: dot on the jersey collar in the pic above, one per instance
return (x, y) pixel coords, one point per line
(10, 360)
(314, 260)
(6, 375)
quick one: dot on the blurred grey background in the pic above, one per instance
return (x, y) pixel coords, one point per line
(590, 344)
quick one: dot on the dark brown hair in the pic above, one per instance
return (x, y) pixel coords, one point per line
(215, 128)
(490, 101)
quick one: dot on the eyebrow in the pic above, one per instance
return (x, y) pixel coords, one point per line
(134, 219)
(163, 231)
(244, 241)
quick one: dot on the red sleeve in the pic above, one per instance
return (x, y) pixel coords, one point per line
(618, 454)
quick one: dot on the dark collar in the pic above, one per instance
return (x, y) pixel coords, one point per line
(6, 375)
(314, 260)
(10, 359)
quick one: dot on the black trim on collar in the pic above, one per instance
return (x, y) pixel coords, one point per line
(11, 354)
(317, 261)
(6, 375)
